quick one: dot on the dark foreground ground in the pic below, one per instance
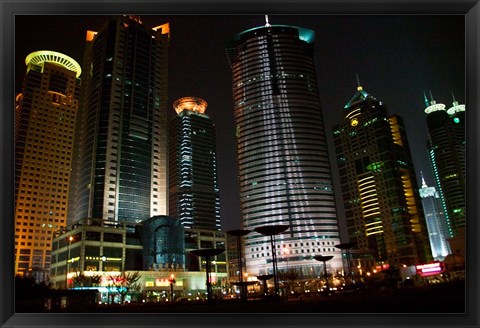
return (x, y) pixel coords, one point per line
(442, 298)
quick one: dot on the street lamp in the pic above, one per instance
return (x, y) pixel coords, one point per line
(208, 253)
(70, 239)
(239, 233)
(347, 246)
(172, 281)
(272, 230)
(264, 278)
(324, 259)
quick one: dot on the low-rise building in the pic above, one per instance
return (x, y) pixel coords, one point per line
(106, 250)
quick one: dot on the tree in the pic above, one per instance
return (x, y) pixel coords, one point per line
(28, 288)
(82, 280)
(125, 283)
(288, 277)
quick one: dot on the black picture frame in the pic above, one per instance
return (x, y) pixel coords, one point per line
(10, 8)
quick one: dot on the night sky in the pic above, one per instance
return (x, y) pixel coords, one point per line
(397, 58)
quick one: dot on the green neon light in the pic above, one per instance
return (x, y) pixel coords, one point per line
(375, 166)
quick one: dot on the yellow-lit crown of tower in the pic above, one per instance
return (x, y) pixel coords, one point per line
(40, 57)
(190, 103)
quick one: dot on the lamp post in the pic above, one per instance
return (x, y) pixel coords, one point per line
(286, 252)
(68, 260)
(324, 259)
(172, 281)
(208, 253)
(239, 234)
(346, 247)
(272, 230)
(264, 278)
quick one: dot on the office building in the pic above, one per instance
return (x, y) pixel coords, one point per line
(446, 150)
(92, 246)
(201, 239)
(383, 210)
(434, 216)
(284, 172)
(45, 116)
(120, 159)
(194, 198)
(154, 249)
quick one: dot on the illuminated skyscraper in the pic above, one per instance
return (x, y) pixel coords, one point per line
(435, 218)
(194, 196)
(120, 159)
(44, 131)
(284, 171)
(383, 209)
(446, 148)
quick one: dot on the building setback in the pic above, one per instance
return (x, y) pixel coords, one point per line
(45, 116)
(383, 210)
(120, 159)
(284, 172)
(194, 198)
(435, 218)
(446, 148)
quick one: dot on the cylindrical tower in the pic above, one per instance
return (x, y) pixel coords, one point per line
(284, 171)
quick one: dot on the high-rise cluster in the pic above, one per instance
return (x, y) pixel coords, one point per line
(100, 152)
(141, 194)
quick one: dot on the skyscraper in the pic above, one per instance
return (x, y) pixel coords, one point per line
(284, 171)
(446, 148)
(383, 210)
(120, 159)
(434, 216)
(44, 130)
(194, 198)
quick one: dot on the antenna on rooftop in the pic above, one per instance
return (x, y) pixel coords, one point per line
(455, 102)
(359, 87)
(267, 24)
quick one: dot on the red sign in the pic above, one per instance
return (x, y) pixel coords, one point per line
(430, 269)
(382, 267)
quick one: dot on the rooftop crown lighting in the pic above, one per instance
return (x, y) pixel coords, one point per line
(40, 57)
(190, 103)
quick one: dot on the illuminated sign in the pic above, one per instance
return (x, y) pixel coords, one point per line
(382, 267)
(430, 269)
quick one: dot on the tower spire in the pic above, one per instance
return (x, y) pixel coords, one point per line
(359, 87)
(425, 99)
(433, 102)
(455, 102)
(267, 24)
(424, 184)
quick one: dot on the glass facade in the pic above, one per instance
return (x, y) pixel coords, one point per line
(383, 210)
(163, 243)
(434, 215)
(446, 147)
(284, 171)
(120, 159)
(194, 197)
